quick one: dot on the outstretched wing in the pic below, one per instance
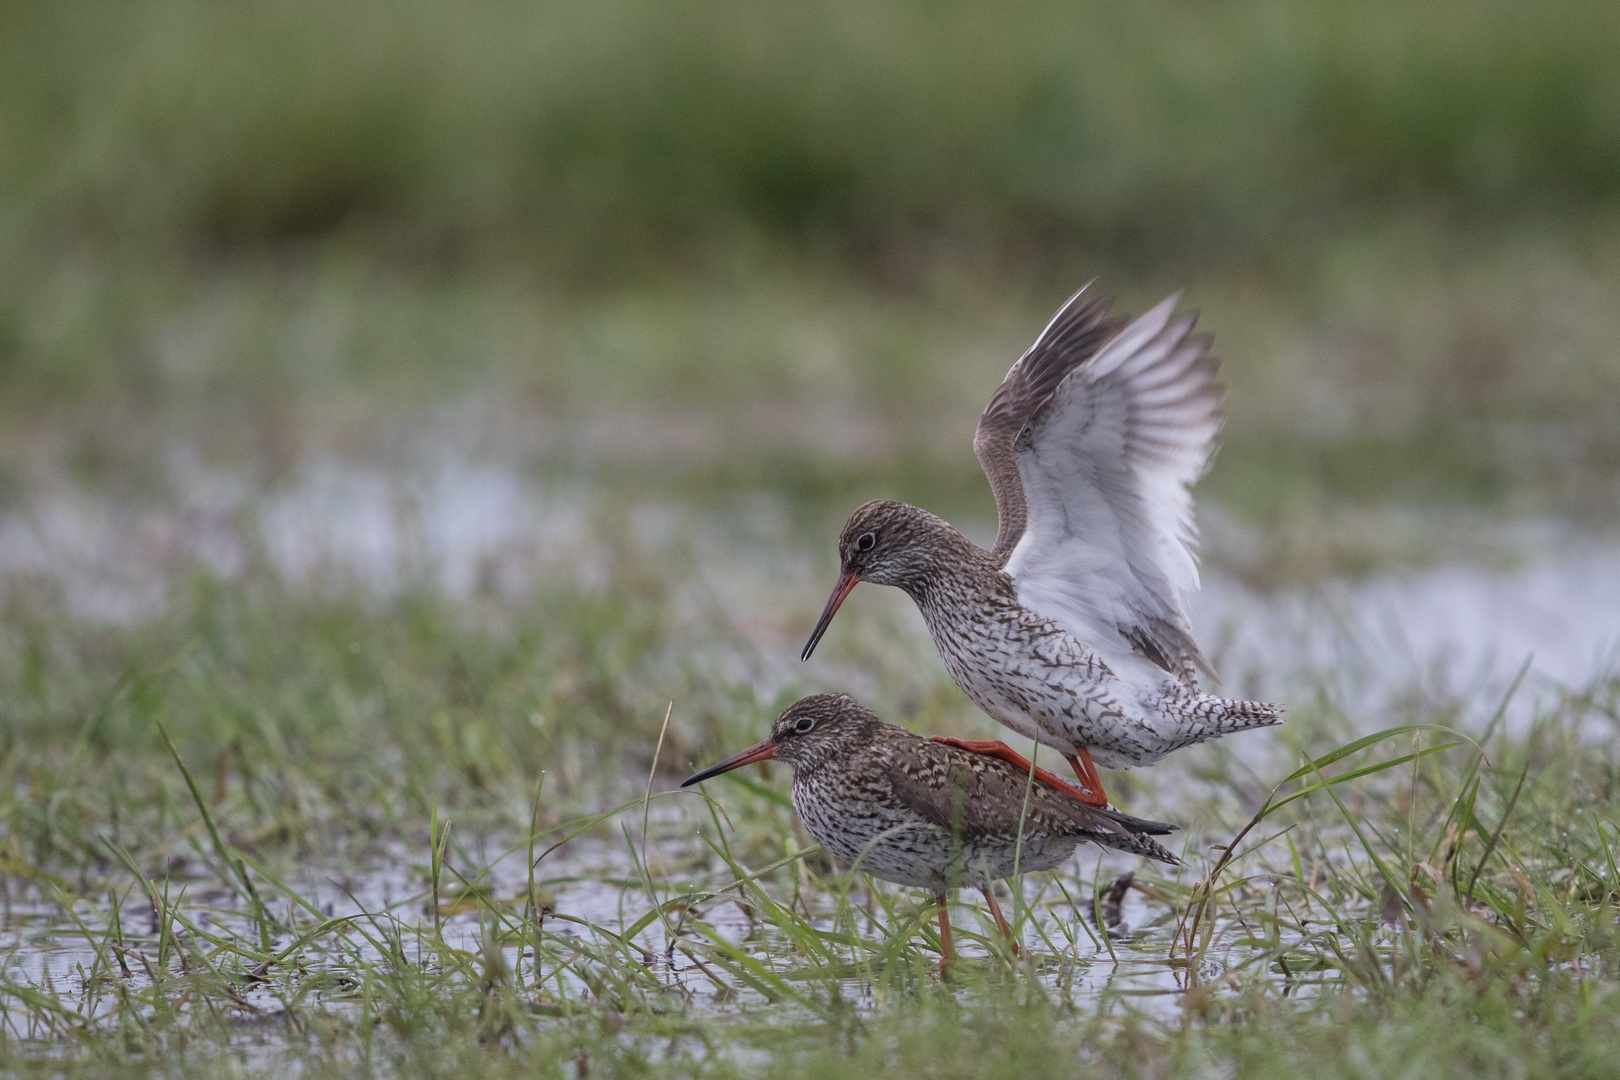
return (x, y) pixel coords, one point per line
(1106, 466)
(1074, 335)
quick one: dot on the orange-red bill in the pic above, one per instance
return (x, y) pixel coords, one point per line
(758, 752)
(846, 582)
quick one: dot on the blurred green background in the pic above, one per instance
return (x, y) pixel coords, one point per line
(410, 405)
(720, 245)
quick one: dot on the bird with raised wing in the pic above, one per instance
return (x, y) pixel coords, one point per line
(929, 815)
(1072, 629)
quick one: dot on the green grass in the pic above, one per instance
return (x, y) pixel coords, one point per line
(820, 232)
(744, 266)
(1452, 912)
(591, 134)
(1400, 368)
(651, 232)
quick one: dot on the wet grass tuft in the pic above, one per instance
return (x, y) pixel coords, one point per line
(288, 830)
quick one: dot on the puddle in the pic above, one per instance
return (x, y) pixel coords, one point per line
(592, 906)
(1445, 633)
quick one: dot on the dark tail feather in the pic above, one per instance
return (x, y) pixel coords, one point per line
(1133, 836)
(1136, 844)
(1246, 715)
(1141, 826)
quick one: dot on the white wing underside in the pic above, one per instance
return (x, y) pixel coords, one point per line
(1108, 552)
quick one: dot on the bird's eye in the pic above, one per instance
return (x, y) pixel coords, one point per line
(805, 724)
(867, 542)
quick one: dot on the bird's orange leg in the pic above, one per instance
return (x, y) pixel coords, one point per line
(1001, 920)
(998, 749)
(944, 936)
(1080, 761)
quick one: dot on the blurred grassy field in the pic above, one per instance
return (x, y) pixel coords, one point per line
(609, 135)
(683, 253)
(819, 232)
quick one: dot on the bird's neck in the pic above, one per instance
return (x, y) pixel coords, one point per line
(957, 572)
(816, 766)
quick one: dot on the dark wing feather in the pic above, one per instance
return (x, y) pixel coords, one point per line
(1075, 334)
(984, 797)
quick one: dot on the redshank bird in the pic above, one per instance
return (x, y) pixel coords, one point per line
(1072, 630)
(926, 814)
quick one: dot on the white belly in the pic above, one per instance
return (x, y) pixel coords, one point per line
(1039, 681)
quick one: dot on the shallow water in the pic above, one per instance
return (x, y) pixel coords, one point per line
(1446, 629)
(589, 896)
(1452, 631)
(1443, 632)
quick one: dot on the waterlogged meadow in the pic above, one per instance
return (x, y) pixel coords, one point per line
(423, 432)
(404, 805)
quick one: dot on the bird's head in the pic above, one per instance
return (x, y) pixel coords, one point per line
(808, 732)
(887, 543)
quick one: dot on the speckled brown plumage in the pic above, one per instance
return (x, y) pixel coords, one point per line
(926, 814)
(1021, 667)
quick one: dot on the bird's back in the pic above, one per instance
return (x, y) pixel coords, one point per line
(930, 815)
